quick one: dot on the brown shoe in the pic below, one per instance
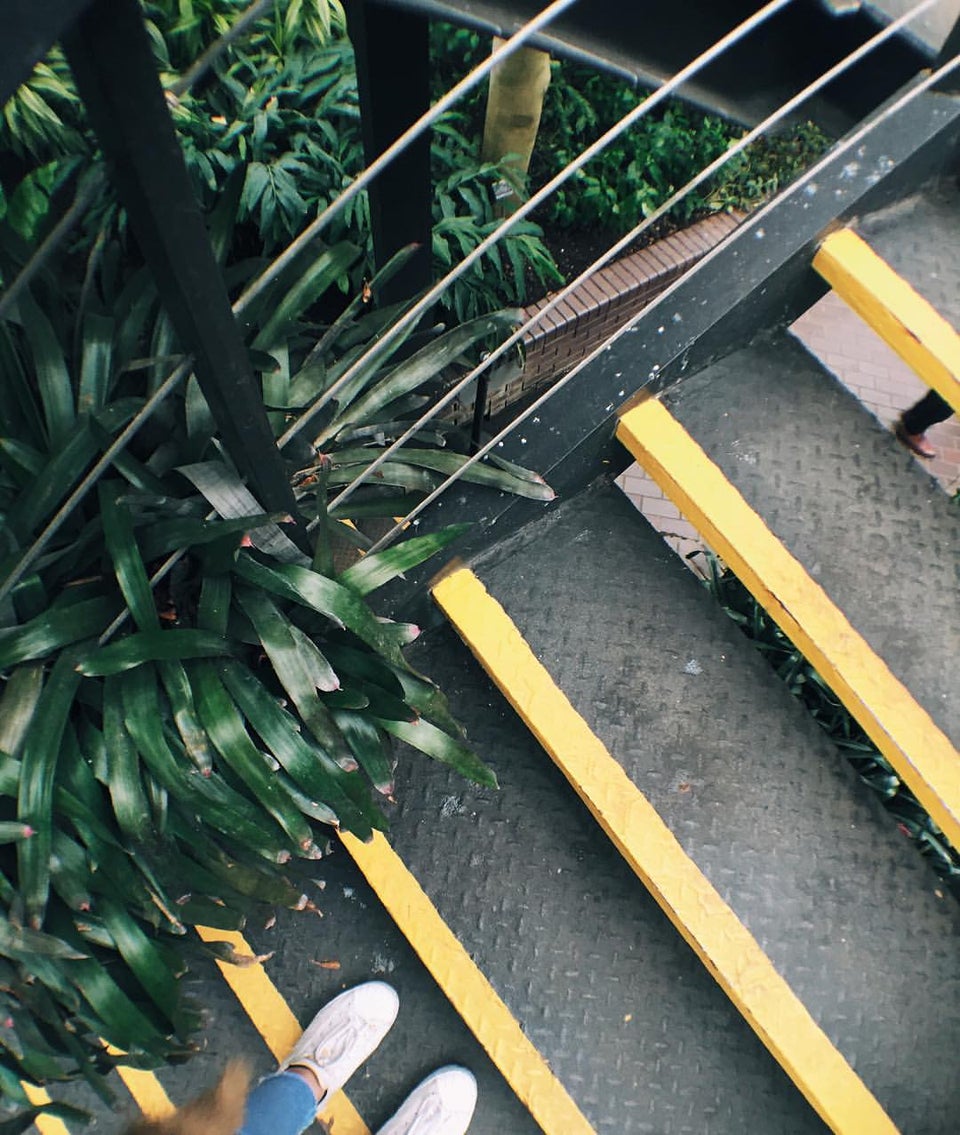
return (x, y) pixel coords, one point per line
(916, 443)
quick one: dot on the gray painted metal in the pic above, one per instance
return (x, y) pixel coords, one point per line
(568, 936)
(760, 277)
(872, 527)
(646, 44)
(844, 906)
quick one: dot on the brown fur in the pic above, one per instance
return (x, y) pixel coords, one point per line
(219, 1111)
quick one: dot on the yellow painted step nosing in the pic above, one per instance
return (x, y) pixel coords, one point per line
(907, 322)
(922, 755)
(45, 1124)
(272, 1018)
(275, 1021)
(725, 946)
(467, 988)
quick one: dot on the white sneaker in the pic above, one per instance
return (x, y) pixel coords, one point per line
(344, 1034)
(442, 1105)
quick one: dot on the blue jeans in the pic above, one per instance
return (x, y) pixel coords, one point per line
(283, 1104)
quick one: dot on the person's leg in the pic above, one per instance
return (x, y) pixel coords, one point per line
(335, 1043)
(914, 423)
(283, 1104)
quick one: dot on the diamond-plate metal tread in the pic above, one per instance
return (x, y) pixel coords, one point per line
(842, 904)
(919, 237)
(869, 525)
(620, 1007)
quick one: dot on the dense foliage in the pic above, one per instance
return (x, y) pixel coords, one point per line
(194, 692)
(647, 164)
(277, 114)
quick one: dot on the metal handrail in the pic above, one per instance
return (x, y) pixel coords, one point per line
(797, 186)
(698, 64)
(556, 299)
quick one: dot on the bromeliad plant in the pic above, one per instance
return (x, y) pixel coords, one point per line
(193, 694)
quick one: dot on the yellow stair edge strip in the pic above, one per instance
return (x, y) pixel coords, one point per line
(272, 1018)
(720, 939)
(922, 755)
(467, 989)
(901, 317)
(45, 1124)
(275, 1021)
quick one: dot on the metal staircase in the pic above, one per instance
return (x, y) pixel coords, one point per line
(681, 912)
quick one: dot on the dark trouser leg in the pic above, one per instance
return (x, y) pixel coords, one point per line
(925, 413)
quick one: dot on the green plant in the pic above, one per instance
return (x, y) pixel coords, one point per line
(274, 117)
(823, 705)
(193, 694)
(646, 164)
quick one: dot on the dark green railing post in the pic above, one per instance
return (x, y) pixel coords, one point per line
(109, 52)
(392, 50)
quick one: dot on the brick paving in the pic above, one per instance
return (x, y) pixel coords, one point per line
(865, 365)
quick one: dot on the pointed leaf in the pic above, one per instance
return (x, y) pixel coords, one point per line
(439, 745)
(151, 646)
(127, 562)
(373, 571)
(38, 766)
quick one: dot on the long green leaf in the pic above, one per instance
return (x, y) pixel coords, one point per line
(232, 499)
(180, 695)
(127, 563)
(171, 535)
(368, 747)
(318, 775)
(210, 798)
(326, 269)
(226, 729)
(439, 745)
(54, 629)
(315, 591)
(425, 365)
(123, 765)
(531, 486)
(66, 466)
(146, 963)
(288, 658)
(38, 766)
(53, 378)
(373, 571)
(96, 362)
(151, 646)
(17, 705)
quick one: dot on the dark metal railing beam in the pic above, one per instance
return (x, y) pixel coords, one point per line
(110, 54)
(389, 43)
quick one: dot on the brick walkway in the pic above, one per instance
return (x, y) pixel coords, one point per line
(867, 366)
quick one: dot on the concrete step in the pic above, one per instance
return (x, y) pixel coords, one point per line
(752, 793)
(901, 274)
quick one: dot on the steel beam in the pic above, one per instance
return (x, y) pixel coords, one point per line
(111, 58)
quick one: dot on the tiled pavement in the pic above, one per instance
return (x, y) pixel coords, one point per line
(867, 366)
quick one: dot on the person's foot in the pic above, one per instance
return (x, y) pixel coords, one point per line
(342, 1036)
(916, 443)
(441, 1105)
